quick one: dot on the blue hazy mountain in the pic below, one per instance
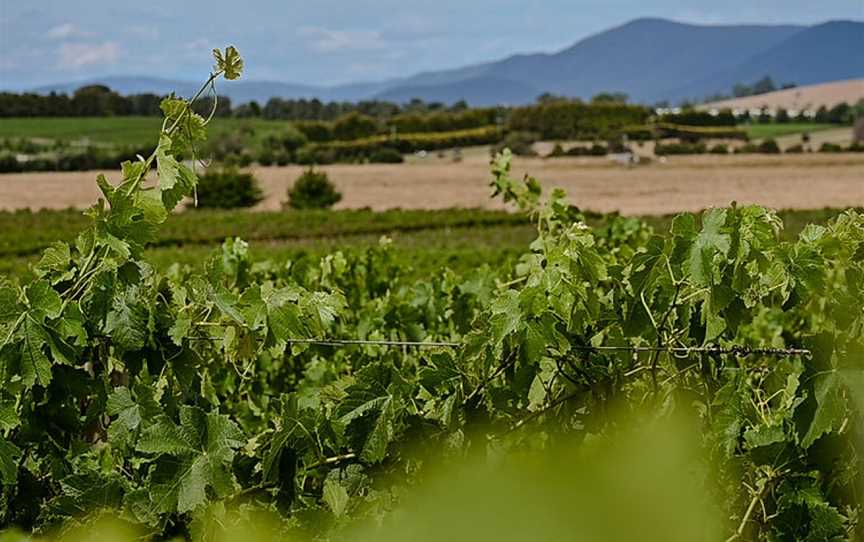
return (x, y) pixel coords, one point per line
(648, 59)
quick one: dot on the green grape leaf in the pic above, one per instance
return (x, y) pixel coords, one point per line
(336, 497)
(506, 315)
(121, 404)
(226, 302)
(166, 438)
(229, 62)
(172, 107)
(167, 167)
(180, 329)
(54, 258)
(764, 435)
(326, 307)
(149, 201)
(9, 456)
(127, 322)
(9, 418)
(192, 490)
(9, 309)
(195, 455)
(44, 301)
(379, 438)
(184, 184)
(830, 407)
(35, 365)
(708, 243)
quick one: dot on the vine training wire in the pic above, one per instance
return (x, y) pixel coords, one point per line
(733, 350)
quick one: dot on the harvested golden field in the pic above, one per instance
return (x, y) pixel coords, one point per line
(690, 183)
(798, 98)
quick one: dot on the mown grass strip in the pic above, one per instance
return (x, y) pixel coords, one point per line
(26, 233)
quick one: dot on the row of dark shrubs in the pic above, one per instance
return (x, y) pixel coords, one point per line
(315, 154)
(229, 188)
(76, 160)
(768, 146)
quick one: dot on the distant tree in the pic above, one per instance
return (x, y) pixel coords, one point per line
(548, 97)
(203, 106)
(416, 105)
(610, 97)
(840, 114)
(763, 86)
(741, 90)
(354, 126)
(787, 86)
(146, 105)
(782, 116)
(459, 106)
(821, 114)
(250, 110)
(98, 100)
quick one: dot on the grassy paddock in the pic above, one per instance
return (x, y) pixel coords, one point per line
(132, 131)
(764, 131)
(26, 233)
(460, 238)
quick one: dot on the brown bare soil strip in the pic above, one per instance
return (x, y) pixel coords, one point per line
(809, 181)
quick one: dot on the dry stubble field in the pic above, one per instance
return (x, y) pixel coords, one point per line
(691, 183)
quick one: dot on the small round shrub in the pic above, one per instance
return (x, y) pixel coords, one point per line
(228, 189)
(683, 147)
(266, 157)
(237, 160)
(313, 190)
(519, 143)
(386, 155)
(720, 148)
(312, 156)
(596, 149)
(795, 149)
(830, 147)
(282, 158)
(557, 151)
(769, 146)
(9, 163)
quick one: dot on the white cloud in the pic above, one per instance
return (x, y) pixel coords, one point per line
(65, 31)
(149, 32)
(77, 55)
(326, 40)
(198, 45)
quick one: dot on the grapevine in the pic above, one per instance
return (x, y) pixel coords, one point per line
(165, 396)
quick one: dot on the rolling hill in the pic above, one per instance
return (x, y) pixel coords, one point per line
(649, 59)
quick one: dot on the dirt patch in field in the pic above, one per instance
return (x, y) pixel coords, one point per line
(680, 184)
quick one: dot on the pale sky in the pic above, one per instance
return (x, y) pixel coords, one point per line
(322, 42)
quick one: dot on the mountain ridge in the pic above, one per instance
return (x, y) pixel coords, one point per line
(650, 59)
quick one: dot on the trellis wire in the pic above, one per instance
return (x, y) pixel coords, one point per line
(732, 350)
